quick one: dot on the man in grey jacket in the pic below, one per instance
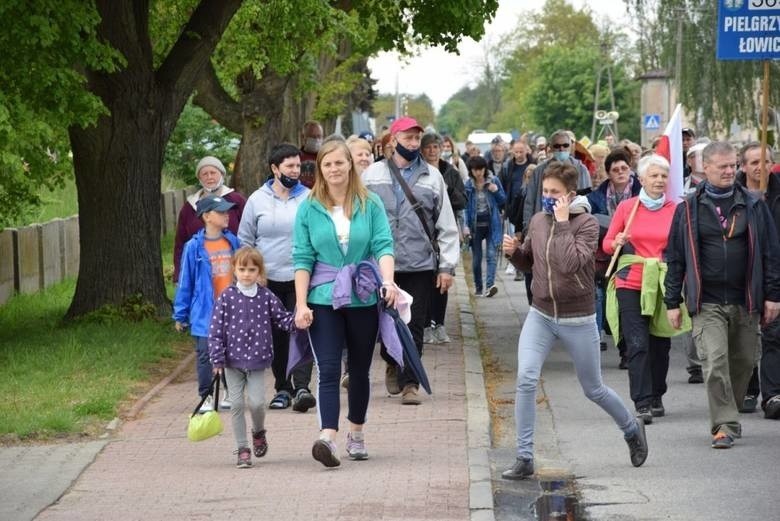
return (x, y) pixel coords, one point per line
(416, 264)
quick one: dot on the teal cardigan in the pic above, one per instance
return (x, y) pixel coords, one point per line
(315, 240)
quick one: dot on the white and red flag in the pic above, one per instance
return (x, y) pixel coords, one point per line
(670, 146)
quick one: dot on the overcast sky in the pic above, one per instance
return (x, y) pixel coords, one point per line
(440, 74)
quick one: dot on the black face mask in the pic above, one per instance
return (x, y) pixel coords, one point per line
(287, 182)
(409, 155)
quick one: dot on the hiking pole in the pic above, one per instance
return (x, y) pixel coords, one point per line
(620, 246)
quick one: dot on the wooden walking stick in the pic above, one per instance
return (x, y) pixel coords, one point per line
(620, 246)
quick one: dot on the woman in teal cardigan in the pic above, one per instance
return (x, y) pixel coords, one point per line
(337, 227)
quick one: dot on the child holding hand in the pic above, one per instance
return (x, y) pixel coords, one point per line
(241, 346)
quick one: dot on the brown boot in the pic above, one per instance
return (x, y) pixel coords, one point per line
(391, 379)
(410, 396)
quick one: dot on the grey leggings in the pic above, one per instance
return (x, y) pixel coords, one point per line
(254, 383)
(582, 343)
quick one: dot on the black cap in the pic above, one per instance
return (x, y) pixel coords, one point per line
(212, 203)
(689, 131)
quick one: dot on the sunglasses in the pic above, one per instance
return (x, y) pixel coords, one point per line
(560, 146)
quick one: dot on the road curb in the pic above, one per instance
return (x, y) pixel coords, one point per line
(145, 399)
(481, 505)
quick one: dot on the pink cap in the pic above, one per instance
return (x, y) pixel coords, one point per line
(403, 124)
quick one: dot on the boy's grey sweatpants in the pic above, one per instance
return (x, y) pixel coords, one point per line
(581, 341)
(254, 383)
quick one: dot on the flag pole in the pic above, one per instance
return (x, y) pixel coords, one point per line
(620, 246)
(764, 127)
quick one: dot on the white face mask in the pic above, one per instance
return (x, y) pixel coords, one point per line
(446, 155)
(312, 145)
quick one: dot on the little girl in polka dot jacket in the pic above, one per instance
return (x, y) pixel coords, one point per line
(241, 346)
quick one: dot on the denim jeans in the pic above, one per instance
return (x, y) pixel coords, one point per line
(332, 329)
(482, 233)
(581, 341)
(203, 365)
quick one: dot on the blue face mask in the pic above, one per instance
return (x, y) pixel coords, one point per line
(548, 204)
(651, 204)
(561, 155)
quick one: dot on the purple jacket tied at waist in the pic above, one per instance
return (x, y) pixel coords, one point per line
(364, 279)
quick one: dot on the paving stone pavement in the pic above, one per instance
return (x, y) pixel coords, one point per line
(418, 466)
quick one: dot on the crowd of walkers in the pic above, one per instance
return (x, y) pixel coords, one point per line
(600, 243)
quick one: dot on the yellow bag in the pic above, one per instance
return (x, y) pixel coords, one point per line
(204, 426)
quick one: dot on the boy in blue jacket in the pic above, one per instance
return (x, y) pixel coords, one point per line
(205, 272)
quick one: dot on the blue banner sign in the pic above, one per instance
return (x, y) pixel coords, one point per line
(748, 30)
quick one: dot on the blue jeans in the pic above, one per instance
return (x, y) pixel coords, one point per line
(482, 233)
(203, 365)
(582, 343)
(600, 302)
(332, 330)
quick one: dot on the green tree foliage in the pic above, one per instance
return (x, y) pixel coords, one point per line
(419, 107)
(547, 77)
(196, 135)
(41, 94)
(719, 92)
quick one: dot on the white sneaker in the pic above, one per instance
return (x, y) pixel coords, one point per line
(441, 335)
(510, 270)
(428, 336)
(224, 403)
(207, 406)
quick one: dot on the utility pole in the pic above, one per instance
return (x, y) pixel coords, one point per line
(678, 57)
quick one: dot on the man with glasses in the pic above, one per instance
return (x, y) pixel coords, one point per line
(562, 150)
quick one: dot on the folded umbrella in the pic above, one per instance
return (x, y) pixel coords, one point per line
(410, 354)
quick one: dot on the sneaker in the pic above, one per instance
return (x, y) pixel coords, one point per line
(749, 404)
(280, 401)
(519, 275)
(603, 346)
(637, 445)
(410, 396)
(345, 381)
(644, 414)
(207, 406)
(440, 334)
(225, 404)
(491, 291)
(244, 458)
(356, 446)
(695, 378)
(428, 335)
(523, 468)
(510, 270)
(303, 401)
(324, 451)
(479, 293)
(721, 440)
(391, 379)
(259, 443)
(772, 408)
(657, 407)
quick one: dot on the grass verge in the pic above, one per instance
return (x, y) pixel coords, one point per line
(68, 379)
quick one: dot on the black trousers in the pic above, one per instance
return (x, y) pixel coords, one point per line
(418, 284)
(438, 307)
(648, 355)
(770, 361)
(301, 376)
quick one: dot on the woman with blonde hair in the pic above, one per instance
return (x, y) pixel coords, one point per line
(338, 227)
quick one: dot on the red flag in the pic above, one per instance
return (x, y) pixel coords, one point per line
(670, 147)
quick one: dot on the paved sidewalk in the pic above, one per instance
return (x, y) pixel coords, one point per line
(418, 466)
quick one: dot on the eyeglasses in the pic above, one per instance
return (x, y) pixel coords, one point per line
(559, 146)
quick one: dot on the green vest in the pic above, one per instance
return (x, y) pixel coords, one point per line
(651, 298)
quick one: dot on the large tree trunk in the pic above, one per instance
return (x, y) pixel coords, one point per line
(118, 161)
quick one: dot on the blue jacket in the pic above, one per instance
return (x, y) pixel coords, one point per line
(194, 299)
(598, 197)
(495, 201)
